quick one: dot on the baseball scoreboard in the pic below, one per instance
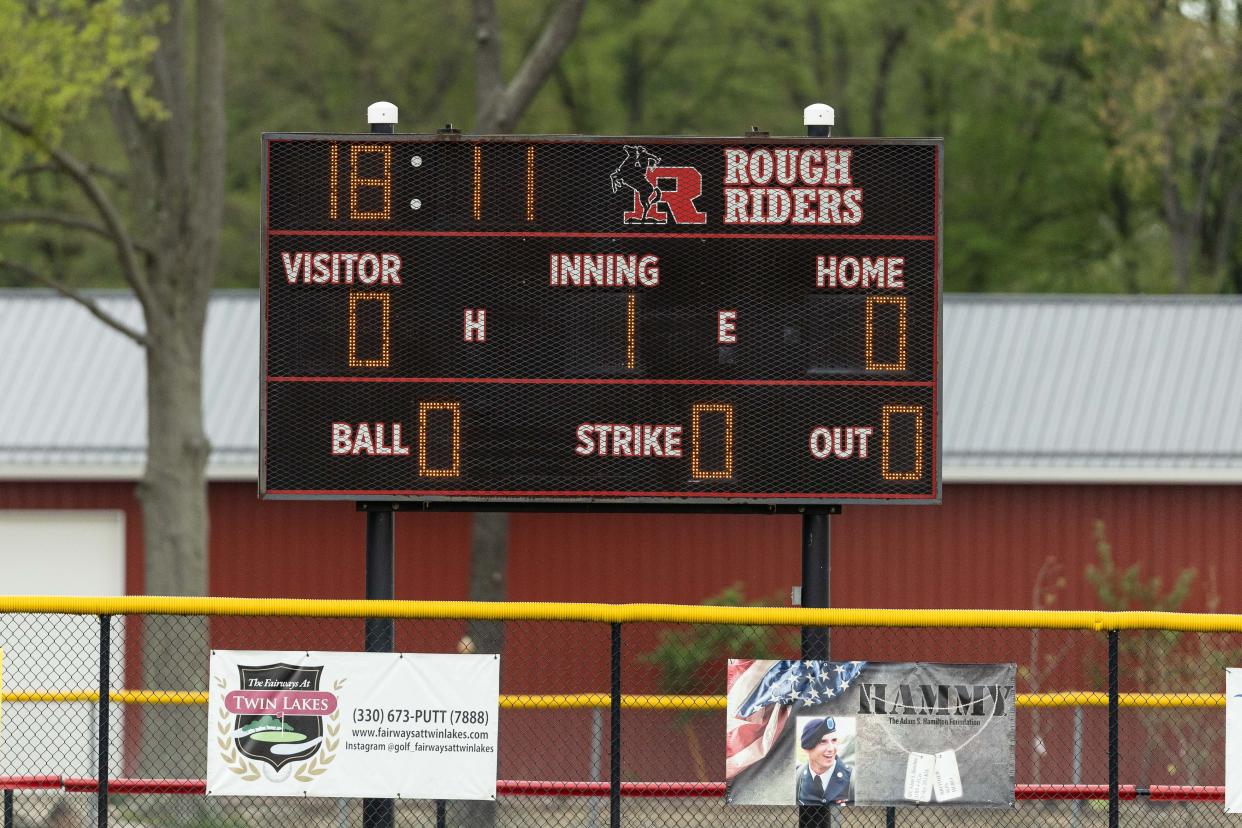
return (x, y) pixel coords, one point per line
(649, 320)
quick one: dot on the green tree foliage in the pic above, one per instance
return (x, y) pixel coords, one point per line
(1162, 661)
(61, 56)
(1115, 148)
(1120, 589)
(1090, 146)
(690, 658)
(58, 61)
(1070, 127)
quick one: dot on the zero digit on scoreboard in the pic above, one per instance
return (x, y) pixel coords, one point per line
(886, 441)
(696, 416)
(899, 363)
(425, 410)
(385, 301)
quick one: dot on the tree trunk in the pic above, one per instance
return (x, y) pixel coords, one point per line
(173, 493)
(1181, 239)
(181, 197)
(498, 105)
(489, 556)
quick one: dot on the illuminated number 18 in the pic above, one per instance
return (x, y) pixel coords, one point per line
(356, 182)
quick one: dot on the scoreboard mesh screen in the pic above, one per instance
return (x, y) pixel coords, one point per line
(611, 319)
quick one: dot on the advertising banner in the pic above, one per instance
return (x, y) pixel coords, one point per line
(378, 725)
(1233, 740)
(869, 733)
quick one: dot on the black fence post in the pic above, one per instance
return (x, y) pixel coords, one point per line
(105, 702)
(1114, 764)
(379, 632)
(816, 579)
(816, 641)
(8, 808)
(614, 775)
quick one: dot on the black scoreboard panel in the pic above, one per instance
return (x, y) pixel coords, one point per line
(601, 319)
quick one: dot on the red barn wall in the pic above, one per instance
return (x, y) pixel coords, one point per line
(981, 549)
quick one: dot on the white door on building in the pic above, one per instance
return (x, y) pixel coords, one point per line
(58, 552)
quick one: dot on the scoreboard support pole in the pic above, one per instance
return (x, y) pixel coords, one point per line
(816, 641)
(380, 580)
(380, 543)
(817, 532)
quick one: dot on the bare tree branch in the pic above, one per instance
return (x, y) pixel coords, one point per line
(502, 111)
(72, 293)
(63, 220)
(677, 28)
(578, 117)
(442, 81)
(94, 169)
(894, 37)
(207, 196)
(487, 81)
(125, 247)
(169, 68)
(137, 144)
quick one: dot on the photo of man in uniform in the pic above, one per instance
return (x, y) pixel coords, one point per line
(824, 779)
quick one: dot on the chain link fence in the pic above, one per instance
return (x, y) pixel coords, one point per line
(610, 715)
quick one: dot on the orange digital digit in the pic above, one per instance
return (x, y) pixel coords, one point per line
(629, 330)
(872, 363)
(530, 183)
(886, 414)
(357, 182)
(476, 207)
(334, 174)
(454, 467)
(696, 413)
(381, 361)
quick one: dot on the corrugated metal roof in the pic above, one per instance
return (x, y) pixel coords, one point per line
(1111, 388)
(1039, 388)
(73, 403)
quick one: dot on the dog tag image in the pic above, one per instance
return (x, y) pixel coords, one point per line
(919, 777)
(947, 781)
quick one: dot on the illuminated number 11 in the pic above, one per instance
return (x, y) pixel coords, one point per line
(476, 182)
(356, 182)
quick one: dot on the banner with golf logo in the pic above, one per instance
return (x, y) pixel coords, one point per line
(376, 725)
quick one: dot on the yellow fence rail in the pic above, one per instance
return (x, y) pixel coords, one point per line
(632, 701)
(625, 613)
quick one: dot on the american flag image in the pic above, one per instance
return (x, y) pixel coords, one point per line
(763, 694)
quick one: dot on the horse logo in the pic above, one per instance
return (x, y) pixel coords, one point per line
(657, 188)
